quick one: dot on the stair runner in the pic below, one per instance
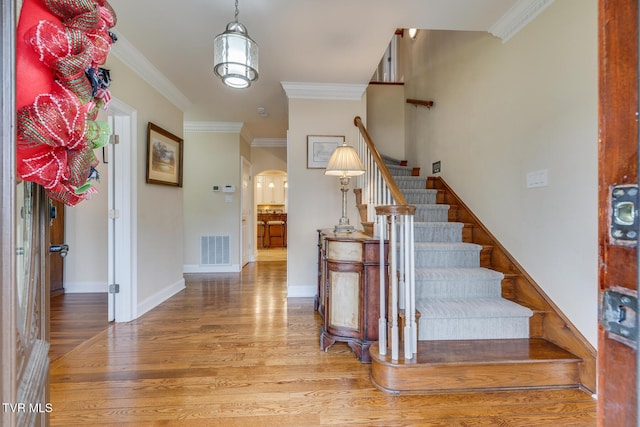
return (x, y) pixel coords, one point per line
(457, 299)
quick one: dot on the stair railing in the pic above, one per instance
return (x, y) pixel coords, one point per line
(393, 218)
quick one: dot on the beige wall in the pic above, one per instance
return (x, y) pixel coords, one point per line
(85, 267)
(213, 159)
(314, 199)
(268, 158)
(158, 208)
(503, 110)
(385, 107)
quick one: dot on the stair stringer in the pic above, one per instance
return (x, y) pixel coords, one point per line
(520, 287)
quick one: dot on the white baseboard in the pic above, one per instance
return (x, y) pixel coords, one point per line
(86, 287)
(191, 268)
(159, 297)
(301, 291)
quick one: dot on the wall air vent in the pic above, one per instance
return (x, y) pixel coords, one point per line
(214, 250)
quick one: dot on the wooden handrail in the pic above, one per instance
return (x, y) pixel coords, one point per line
(427, 104)
(386, 175)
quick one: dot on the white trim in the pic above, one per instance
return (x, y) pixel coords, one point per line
(134, 59)
(516, 18)
(246, 134)
(126, 201)
(269, 142)
(159, 297)
(302, 291)
(194, 268)
(335, 91)
(213, 127)
(85, 287)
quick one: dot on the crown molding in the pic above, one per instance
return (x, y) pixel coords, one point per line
(246, 134)
(516, 18)
(213, 127)
(269, 142)
(333, 91)
(134, 59)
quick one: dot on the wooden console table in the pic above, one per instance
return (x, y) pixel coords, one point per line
(348, 290)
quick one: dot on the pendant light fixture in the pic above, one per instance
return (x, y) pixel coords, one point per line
(235, 55)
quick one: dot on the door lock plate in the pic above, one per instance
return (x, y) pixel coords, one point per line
(624, 215)
(618, 315)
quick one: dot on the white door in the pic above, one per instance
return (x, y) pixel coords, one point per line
(247, 213)
(122, 261)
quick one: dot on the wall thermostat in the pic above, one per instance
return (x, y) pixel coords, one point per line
(229, 189)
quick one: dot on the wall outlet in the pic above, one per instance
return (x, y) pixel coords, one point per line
(538, 178)
(435, 167)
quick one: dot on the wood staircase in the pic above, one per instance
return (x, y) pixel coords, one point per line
(555, 356)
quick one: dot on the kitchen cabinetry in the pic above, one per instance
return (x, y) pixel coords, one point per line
(270, 189)
(348, 296)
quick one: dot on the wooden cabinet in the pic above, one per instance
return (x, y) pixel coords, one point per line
(348, 290)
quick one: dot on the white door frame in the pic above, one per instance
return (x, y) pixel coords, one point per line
(123, 197)
(247, 215)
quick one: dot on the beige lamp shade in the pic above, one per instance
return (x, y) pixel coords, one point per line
(344, 162)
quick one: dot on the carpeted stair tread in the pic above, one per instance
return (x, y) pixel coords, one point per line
(447, 246)
(388, 160)
(438, 231)
(398, 170)
(411, 182)
(479, 273)
(457, 299)
(416, 196)
(438, 308)
(458, 283)
(431, 213)
(481, 318)
(447, 255)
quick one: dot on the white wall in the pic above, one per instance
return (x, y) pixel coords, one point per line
(502, 110)
(314, 199)
(213, 159)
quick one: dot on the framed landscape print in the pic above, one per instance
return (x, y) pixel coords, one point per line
(164, 157)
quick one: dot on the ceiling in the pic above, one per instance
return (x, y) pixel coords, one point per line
(304, 41)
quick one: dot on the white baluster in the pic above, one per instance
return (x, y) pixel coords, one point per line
(412, 283)
(408, 333)
(394, 290)
(382, 322)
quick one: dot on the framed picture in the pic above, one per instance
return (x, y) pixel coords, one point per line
(320, 148)
(164, 157)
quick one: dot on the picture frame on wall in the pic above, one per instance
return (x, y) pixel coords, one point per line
(320, 148)
(164, 157)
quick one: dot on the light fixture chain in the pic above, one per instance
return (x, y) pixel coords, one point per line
(236, 11)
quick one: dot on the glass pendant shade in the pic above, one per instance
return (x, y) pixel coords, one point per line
(235, 56)
(344, 162)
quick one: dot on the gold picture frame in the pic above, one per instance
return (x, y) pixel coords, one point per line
(164, 157)
(320, 148)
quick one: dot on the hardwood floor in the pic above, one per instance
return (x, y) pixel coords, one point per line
(232, 350)
(75, 318)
